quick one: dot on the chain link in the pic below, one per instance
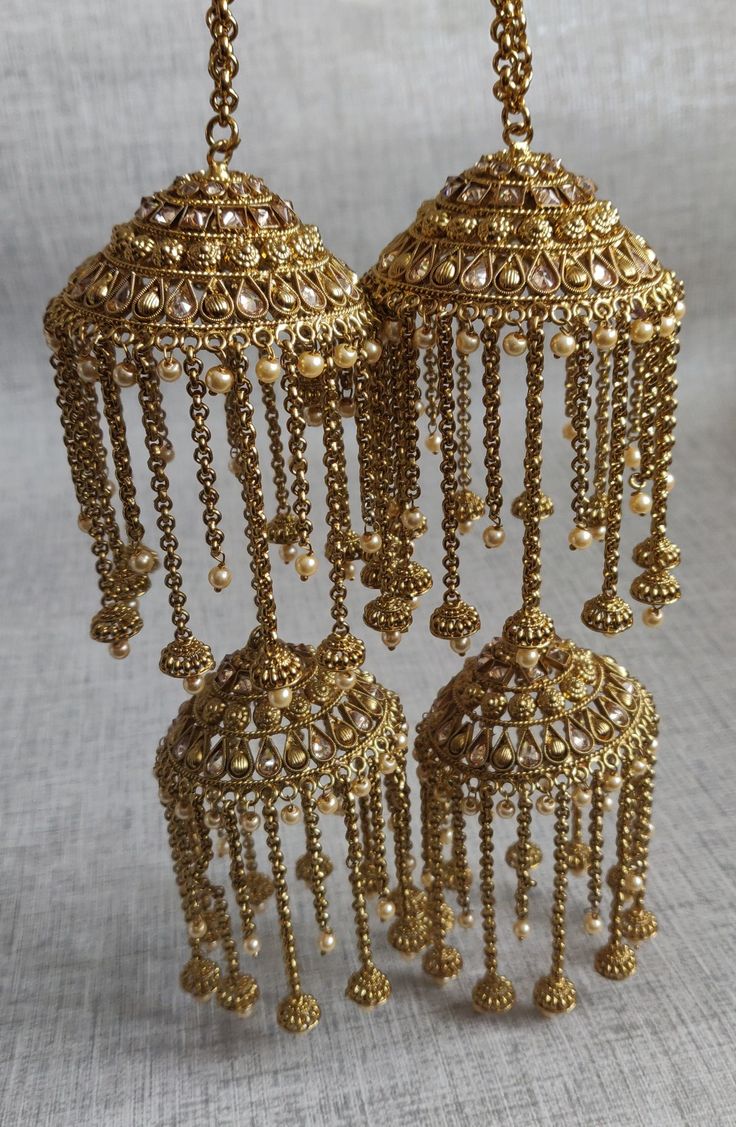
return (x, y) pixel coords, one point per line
(512, 63)
(223, 67)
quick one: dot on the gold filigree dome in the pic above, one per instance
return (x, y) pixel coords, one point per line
(215, 251)
(517, 227)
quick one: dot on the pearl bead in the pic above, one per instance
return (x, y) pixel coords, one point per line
(345, 680)
(361, 787)
(288, 552)
(372, 350)
(168, 369)
(268, 370)
(466, 919)
(605, 337)
(280, 698)
(219, 380)
(460, 645)
(306, 565)
(391, 638)
(250, 821)
(345, 355)
(313, 416)
(505, 808)
(412, 519)
(183, 811)
(641, 330)
(568, 431)
(514, 344)
(311, 365)
(639, 767)
(667, 325)
(427, 880)
(545, 804)
(193, 683)
(670, 482)
(328, 802)
(527, 658)
(119, 649)
(493, 537)
(633, 883)
(522, 929)
(471, 805)
(252, 945)
(402, 740)
(212, 819)
(422, 337)
(87, 370)
(350, 572)
(598, 532)
(581, 796)
(680, 309)
(84, 523)
(291, 814)
(219, 577)
(370, 542)
(124, 374)
(446, 835)
(386, 909)
(168, 453)
(632, 457)
(612, 781)
(652, 617)
(346, 407)
(197, 927)
(142, 561)
(640, 503)
(592, 924)
(387, 764)
(607, 803)
(563, 344)
(390, 331)
(467, 342)
(327, 942)
(433, 442)
(464, 527)
(580, 538)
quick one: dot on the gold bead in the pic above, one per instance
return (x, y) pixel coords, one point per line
(124, 374)
(168, 369)
(306, 565)
(346, 407)
(183, 811)
(493, 537)
(345, 355)
(607, 803)
(514, 344)
(268, 370)
(386, 909)
(640, 503)
(391, 331)
(580, 538)
(314, 416)
(563, 344)
(280, 698)
(446, 835)
(168, 453)
(219, 577)
(505, 808)
(311, 365)
(119, 649)
(291, 814)
(212, 819)
(327, 942)
(598, 532)
(667, 325)
(350, 572)
(467, 342)
(193, 683)
(642, 330)
(433, 442)
(545, 804)
(142, 561)
(219, 380)
(527, 658)
(652, 617)
(372, 350)
(605, 337)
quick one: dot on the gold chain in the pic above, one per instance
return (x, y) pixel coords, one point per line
(492, 421)
(223, 67)
(199, 413)
(619, 389)
(512, 63)
(532, 545)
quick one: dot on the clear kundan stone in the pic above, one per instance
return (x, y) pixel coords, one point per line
(476, 276)
(474, 193)
(579, 739)
(212, 188)
(194, 219)
(263, 216)
(547, 197)
(544, 278)
(165, 216)
(511, 194)
(420, 267)
(321, 746)
(359, 719)
(268, 762)
(182, 302)
(230, 219)
(147, 205)
(528, 754)
(602, 274)
(311, 297)
(617, 715)
(250, 302)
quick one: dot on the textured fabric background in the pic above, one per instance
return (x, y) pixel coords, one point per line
(358, 109)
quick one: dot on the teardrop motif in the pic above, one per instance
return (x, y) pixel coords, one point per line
(119, 300)
(217, 303)
(295, 755)
(268, 761)
(308, 292)
(458, 742)
(476, 276)
(447, 270)
(421, 265)
(240, 762)
(250, 301)
(283, 296)
(503, 756)
(555, 745)
(603, 274)
(215, 765)
(343, 734)
(150, 301)
(478, 754)
(182, 303)
(321, 747)
(544, 276)
(528, 753)
(601, 728)
(510, 277)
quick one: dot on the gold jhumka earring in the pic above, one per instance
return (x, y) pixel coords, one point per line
(217, 281)
(516, 256)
